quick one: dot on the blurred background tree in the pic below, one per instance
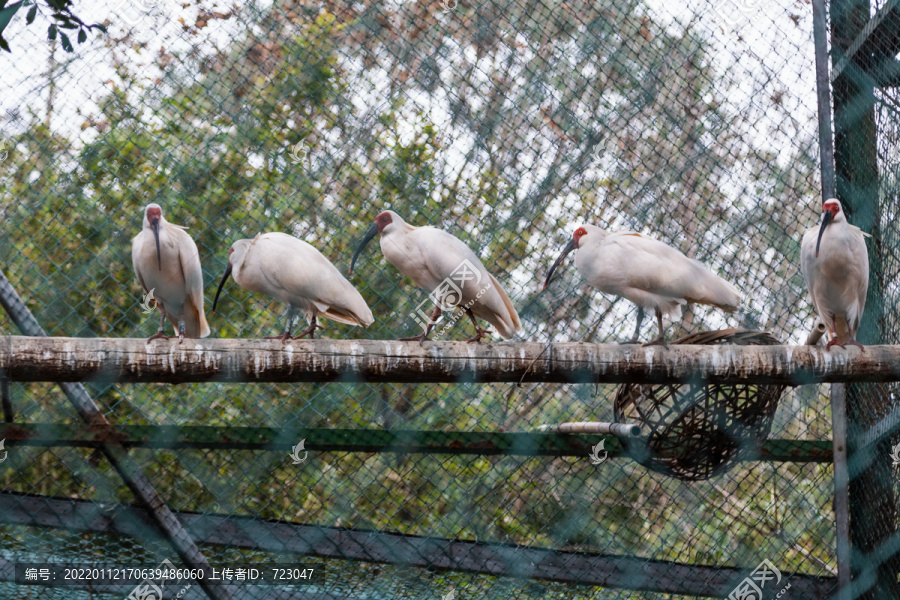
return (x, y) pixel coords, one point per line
(505, 123)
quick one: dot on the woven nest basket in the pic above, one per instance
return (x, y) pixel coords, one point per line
(697, 431)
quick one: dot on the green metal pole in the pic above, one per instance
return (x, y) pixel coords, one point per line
(872, 501)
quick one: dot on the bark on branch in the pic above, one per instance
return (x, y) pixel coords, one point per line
(378, 361)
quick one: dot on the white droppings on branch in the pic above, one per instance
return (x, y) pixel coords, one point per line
(130, 360)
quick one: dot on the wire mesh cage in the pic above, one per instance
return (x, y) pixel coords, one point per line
(503, 123)
(697, 431)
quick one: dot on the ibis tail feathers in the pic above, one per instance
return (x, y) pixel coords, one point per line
(344, 316)
(506, 321)
(195, 325)
(717, 292)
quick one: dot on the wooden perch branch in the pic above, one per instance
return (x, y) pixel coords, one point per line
(379, 361)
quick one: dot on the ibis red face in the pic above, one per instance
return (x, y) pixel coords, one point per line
(579, 233)
(381, 221)
(224, 278)
(154, 214)
(830, 210)
(573, 243)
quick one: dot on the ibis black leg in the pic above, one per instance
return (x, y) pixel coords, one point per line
(424, 336)
(479, 332)
(313, 325)
(161, 334)
(637, 328)
(284, 337)
(661, 340)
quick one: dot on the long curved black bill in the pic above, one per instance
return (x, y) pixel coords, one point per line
(221, 285)
(155, 225)
(565, 252)
(372, 232)
(826, 219)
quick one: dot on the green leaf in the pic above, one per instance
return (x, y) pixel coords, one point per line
(4, 45)
(82, 36)
(32, 13)
(66, 44)
(51, 33)
(7, 13)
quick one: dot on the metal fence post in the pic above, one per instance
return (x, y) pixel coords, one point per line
(838, 391)
(872, 501)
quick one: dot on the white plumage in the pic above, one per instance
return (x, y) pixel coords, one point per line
(166, 261)
(648, 272)
(445, 267)
(290, 270)
(835, 264)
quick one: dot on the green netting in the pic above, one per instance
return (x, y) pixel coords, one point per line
(505, 123)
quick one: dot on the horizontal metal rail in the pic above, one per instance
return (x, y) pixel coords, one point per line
(361, 440)
(110, 360)
(615, 571)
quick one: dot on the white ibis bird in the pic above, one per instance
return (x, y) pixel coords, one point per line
(290, 270)
(167, 263)
(835, 264)
(648, 272)
(447, 269)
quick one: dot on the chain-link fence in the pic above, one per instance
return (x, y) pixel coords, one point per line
(505, 124)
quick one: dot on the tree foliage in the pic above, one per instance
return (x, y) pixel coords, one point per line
(61, 14)
(504, 123)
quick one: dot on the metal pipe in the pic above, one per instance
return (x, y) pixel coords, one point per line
(823, 93)
(616, 429)
(838, 391)
(816, 334)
